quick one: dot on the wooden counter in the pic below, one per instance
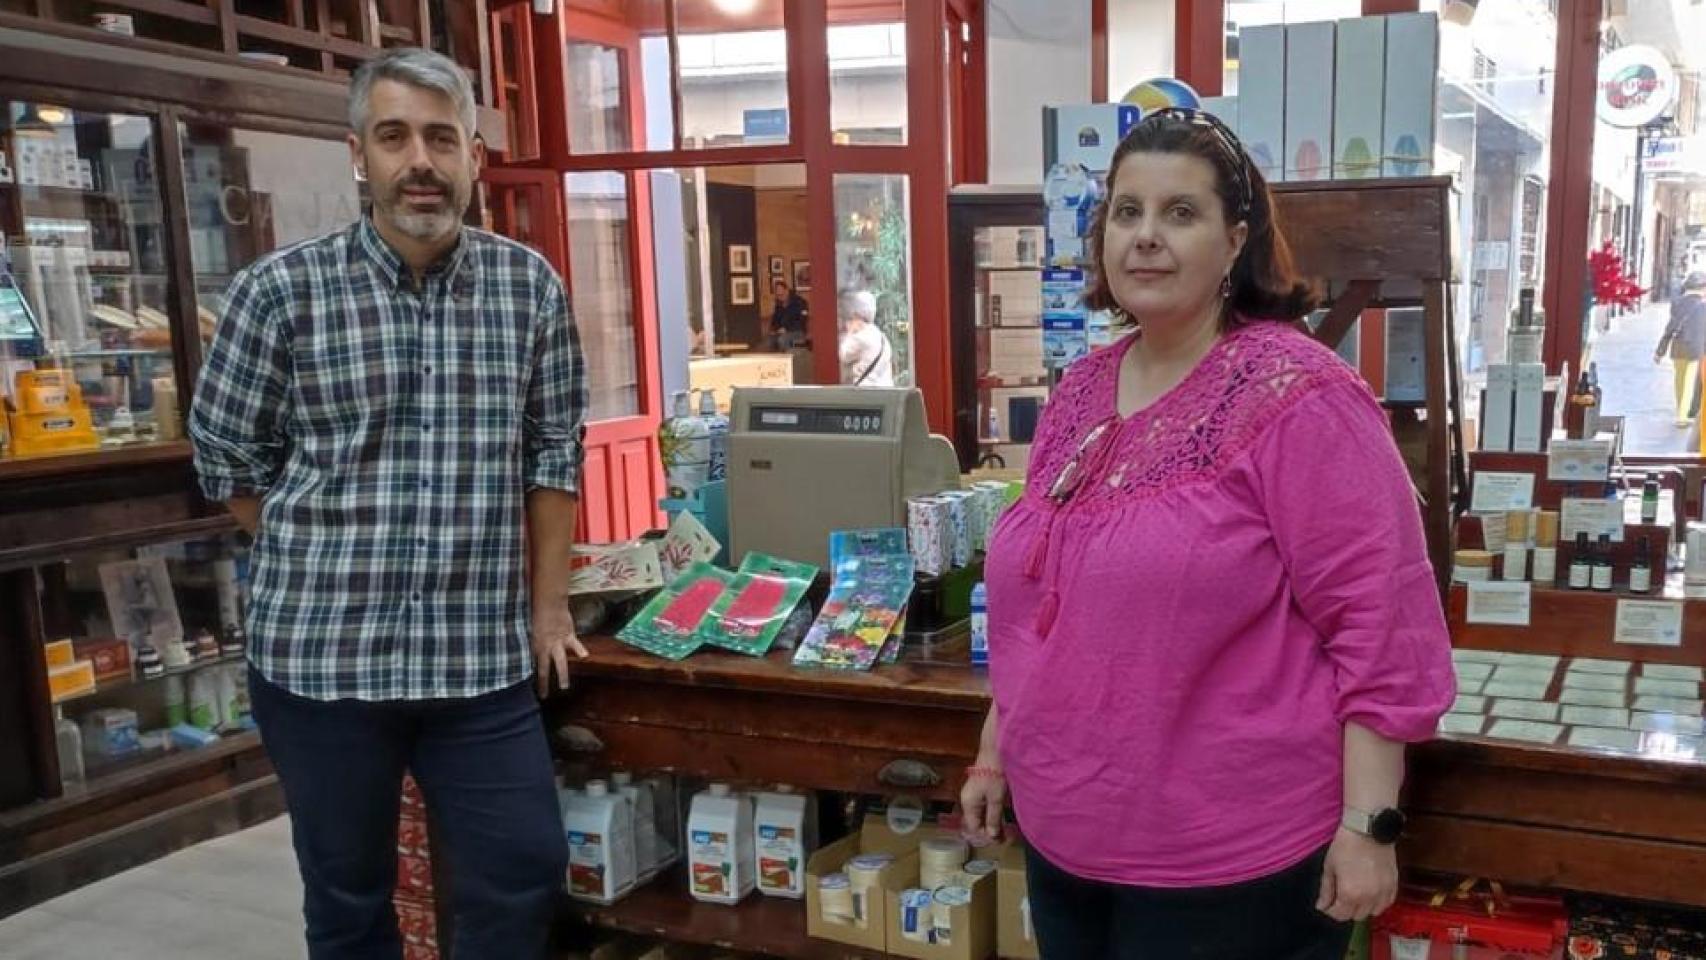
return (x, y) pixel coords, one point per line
(1529, 815)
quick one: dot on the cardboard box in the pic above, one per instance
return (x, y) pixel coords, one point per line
(1015, 298)
(66, 682)
(1261, 97)
(1527, 425)
(724, 374)
(1359, 98)
(1015, 937)
(873, 837)
(1086, 133)
(109, 655)
(973, 924)
(1412, 94)
(60, 653)
(1016, 352)
(1498, 410)
(1309, 100)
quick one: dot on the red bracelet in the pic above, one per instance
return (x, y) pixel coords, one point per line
(993, 773)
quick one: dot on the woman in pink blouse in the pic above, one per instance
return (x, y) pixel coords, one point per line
(1213, 625)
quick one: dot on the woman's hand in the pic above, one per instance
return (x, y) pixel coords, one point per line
(983, 799)
(1360, 878)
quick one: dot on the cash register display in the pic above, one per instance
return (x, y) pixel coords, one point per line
(844, 421)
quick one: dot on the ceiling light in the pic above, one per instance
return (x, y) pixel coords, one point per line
(735, 8)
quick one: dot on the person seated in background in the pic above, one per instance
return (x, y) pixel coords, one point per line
(788, 319)
(867, 359)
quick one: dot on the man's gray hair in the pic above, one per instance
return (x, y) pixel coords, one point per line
(859, 303)
(417, 67)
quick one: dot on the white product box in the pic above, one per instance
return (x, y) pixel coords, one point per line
(1359, 98)
(1499, 409)
(1261, 97)
(1412, 94)
(1530, 398)
(1309, 100)
(1406, 356)
(1015, 298)
(1224, 109)
(1015, 353)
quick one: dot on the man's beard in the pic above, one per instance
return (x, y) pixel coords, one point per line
(424, 225)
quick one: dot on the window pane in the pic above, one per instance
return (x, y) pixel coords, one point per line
(872, 256)
(601, 289)
(87, 289)
(867, 82)
(1497, 75)
(734, 74)
(599, 120)
(1648, 209)
(1261, 13)
(704, 221)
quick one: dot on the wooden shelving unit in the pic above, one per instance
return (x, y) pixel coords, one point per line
(324, 37)
(761, 925)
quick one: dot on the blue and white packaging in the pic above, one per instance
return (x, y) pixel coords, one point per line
(1066, 322)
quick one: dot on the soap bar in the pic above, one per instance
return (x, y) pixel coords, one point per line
(187, 737)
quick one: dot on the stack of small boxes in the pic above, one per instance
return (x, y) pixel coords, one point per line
(1348, 100)
(415, 899)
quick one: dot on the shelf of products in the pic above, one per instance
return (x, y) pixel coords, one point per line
(137, 678)
(767, 926)
(996, 307)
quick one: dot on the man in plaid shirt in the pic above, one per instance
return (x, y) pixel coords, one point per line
(395, 412)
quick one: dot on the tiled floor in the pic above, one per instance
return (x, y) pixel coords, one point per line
(235, 897)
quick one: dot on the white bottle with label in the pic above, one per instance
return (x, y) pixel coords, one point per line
(69, 742)
(685, 442)
(643, 805)
(721, 864)
(600, 831)
(717, 428)
(783, 834)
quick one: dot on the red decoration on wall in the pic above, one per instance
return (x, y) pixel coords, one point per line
(1613, 284)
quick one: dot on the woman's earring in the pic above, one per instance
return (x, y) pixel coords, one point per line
(1226, 287)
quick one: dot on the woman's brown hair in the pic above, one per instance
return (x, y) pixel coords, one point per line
(1265, 285)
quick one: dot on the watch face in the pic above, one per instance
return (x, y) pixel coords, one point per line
(1387, 826)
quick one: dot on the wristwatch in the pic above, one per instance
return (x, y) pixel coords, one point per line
(1381, 826)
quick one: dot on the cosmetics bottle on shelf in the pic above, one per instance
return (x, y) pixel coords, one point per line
(1640, 570)
(1516, 545)
(1581, 564)
(1603, 571)
(1545, 547)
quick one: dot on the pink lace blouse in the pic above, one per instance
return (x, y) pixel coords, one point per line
(1175, 651)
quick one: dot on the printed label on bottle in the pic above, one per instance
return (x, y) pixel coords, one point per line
(1640, 579)
(778, 857)
(586, 864)
(711, 863)
(1405, 948)
(1579, 575)
(1602, 578)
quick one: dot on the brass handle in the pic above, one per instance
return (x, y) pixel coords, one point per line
(909, 775)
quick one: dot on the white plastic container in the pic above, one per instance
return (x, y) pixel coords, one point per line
(783, 837)
(204, 699)
(643, 805)
(722, 867)
(600, 830)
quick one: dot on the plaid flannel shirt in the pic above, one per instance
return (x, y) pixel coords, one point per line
(391, 434)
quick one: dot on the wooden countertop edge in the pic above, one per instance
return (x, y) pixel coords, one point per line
(954, 687)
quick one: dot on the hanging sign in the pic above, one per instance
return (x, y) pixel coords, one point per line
(1637, 84)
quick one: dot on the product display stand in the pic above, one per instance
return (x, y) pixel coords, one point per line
(1387, 243)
